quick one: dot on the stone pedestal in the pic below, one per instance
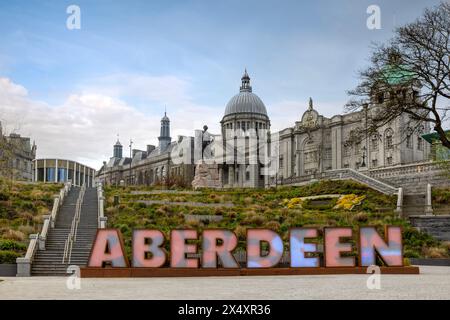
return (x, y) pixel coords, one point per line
(207, 176)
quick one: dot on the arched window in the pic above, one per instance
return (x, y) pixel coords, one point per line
(389, 138)
(419, 138)
(409, 138)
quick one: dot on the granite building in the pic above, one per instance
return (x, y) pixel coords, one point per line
(314, 144)
(16, 156)
(169, 160)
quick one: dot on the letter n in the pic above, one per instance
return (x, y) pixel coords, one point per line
(389, 249)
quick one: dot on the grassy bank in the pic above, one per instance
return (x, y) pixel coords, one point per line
(22, 207)
(268, 208)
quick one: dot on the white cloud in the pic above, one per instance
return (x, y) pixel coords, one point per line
(84, 127)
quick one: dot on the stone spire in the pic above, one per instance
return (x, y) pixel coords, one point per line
(245, 87)
(310, 104)
(164, 137)
(117, 153)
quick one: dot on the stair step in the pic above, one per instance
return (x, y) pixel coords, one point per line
(49, 262)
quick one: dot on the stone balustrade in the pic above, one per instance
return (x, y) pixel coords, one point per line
(37, 241)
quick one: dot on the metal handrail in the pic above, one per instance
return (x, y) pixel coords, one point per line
(72, 236)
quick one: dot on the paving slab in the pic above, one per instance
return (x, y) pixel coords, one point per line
(432, 283)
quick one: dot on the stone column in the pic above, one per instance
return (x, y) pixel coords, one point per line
(231, 176)
(428, 206)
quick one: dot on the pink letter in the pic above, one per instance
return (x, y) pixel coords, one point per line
(254, 239)
(108, 248)
(334, 248)
(299, 248)
(179, 248)
(141, 249)
(212, 250)
(390, 252)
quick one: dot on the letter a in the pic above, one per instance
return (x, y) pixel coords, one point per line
(108, 248)
(74, 20)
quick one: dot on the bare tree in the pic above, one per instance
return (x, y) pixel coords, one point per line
(410, 75)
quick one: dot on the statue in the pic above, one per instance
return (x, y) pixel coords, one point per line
(206, 139)
(207, 175)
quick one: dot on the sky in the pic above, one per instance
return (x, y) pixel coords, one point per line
(74, 91)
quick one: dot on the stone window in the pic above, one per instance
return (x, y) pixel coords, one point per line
(328, 153)
(389, 160)
(310, 156)
(389, 138)
(419, 143)
(347, 150)
(409, 138)
(374, 163)
(281, 162)
(374, 142)
(419, 138)
(357, 148)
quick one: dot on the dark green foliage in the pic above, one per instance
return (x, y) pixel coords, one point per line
(9, 256)
(12, 245)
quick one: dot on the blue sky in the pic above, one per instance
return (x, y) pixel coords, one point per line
(188, 55)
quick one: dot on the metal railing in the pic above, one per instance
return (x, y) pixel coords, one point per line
(72, 236)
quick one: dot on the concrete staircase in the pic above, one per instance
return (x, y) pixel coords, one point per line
(342, 174)
(48, 262)
(414, 204)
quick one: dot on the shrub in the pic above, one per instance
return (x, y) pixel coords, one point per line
(272, 225)
(434, 252)
(360, 217)
(14, 235)
(9, 256)
(12, 245)
(241, 232)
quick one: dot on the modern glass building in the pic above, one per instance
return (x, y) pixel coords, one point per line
(61, 170)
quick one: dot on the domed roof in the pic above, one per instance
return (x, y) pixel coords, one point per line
(245, 101)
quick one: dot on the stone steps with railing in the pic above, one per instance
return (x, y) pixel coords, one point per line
(344, 174)
(48, 253)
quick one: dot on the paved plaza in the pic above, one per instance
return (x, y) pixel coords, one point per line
(432, 283)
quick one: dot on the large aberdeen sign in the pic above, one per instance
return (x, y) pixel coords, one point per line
(192, 253)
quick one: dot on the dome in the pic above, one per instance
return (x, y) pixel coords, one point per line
(245, 101)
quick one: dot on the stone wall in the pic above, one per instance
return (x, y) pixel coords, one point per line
(413, 177)
(436, 226)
